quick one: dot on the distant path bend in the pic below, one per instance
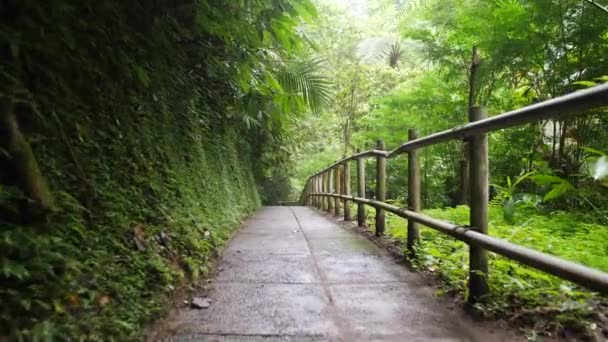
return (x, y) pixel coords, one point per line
(295, 274)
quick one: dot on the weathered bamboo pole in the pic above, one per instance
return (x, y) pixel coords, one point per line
(380, 188)
(413, 197)
(346, 191)
(360, 190)
(325, 200)
(591, 278)
(479, 196)
(320, 189)
(330, 190)
(309, 191)
(338, 189)
(314, 190)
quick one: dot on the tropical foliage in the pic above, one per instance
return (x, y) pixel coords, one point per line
(133, 137)
(548, 178)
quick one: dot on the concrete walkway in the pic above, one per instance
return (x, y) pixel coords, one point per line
(295, 274)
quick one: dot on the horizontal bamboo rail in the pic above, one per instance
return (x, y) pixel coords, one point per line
(319, 190)
(562, 106)
(559, 107)
(586, 276)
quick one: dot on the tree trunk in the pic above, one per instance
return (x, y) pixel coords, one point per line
(463, 177)
(19, 167)
(347, 136)
(473, 84)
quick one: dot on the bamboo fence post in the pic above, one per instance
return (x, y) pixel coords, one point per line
(320, 190)
(309, 192)
(330, 190)
(413, 197)
(346, 191)
(315, 190)
(325, 203)
(337, 190)
(479, 196)
(360, 190)
(380, 188)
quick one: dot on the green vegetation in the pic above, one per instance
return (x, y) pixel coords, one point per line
(400, 65)
(134, 137)
(541, 302)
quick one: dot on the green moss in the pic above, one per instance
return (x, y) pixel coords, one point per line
(57, 282)
(132, 142)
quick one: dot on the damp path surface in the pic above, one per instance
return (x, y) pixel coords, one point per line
(297, 274)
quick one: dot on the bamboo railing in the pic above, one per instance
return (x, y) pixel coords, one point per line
(328, 187)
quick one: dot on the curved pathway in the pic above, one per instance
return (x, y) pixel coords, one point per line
(296, 274)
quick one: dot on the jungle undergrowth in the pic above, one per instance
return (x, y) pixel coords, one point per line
(538, 303)
(110, 281)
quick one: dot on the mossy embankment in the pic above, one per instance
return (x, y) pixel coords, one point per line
(128, 116)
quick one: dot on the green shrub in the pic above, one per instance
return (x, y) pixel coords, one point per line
(540, 301)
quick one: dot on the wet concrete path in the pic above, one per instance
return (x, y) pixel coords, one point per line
(295, 274)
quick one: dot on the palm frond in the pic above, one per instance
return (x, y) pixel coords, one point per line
(398, 12)
(395, 55)
(304, 78)
(380, 49)
(407, 10)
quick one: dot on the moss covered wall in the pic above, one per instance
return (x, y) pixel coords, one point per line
(131, 125)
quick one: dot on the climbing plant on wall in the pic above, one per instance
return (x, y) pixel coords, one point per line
(133, 137)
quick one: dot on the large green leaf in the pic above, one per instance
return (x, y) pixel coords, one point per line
(558, 190)
(559, 186)
(304, 79)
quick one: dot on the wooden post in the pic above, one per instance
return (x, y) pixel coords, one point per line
(330, 190)
(479, 193)
(337, 190)
(324, 202)
(319, 189)
(314, 190)
(360, 190)
(309, 192)
(413, 197)
(380, 188)
(346, 191)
